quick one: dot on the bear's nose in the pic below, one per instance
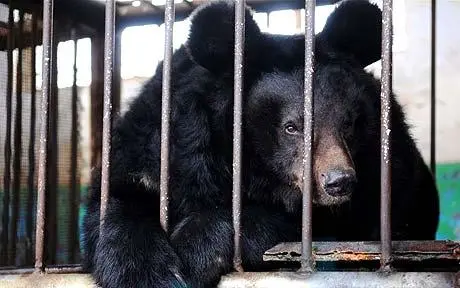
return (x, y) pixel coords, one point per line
(339, 182)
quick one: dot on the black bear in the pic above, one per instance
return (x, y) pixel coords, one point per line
(133, 250)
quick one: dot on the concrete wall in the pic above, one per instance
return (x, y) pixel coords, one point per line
(412, 68)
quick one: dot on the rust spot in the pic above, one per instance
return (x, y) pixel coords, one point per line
(456, 251)
(349, 256)
(360, 257)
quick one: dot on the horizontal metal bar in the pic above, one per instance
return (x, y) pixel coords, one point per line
(367, 251)
(62, 269)
(339, 279)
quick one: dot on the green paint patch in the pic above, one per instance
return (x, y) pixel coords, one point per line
(448, 181)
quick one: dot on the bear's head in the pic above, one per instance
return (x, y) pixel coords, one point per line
(346, 98)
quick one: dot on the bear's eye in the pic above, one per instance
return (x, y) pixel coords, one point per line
(291, 129)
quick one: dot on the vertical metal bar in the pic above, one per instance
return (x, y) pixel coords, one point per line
(433, 90)
(307, 256)
(31, 174)
(237, 129)
(53, 173)
(385, 130)
(165, 113)
(97, 102)
(107, 117)
(7, 171)
(17, 144)
(74, 195)
(48, 6)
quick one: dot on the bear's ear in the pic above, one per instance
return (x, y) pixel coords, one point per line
(212, 33)
(355, 28)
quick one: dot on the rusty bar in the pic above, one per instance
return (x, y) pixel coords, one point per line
(165, 114)
(7, 169)
(433, 91)
(48, 6)
(414, 251)
(107, 117)
(385, 137)
(74, 193)
(307, 256)
(31, 153)
(17, 145)
(237, 129)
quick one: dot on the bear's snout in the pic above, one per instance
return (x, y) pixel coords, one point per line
(339, 182)
(334, 170)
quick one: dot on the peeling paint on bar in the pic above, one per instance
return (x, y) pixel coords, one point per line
(166, 113)
(385, 130)
(107, 116)
(237, 129)
(56, 269)
(48, 6)
(307, 206)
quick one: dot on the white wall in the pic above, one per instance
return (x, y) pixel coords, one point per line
(412, 73)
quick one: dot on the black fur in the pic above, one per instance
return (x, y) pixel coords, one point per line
(135, 252)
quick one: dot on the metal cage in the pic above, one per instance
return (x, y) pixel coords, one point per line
(385, 252)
